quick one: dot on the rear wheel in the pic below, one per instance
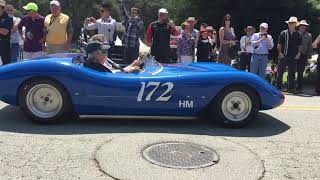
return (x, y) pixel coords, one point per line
(236, 106)
(45, 101)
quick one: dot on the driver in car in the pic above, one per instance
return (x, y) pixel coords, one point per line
(98, 60)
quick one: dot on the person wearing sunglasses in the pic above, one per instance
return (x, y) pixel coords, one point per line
(289, 50)
(34, 34)
(58, 29)
(106, 25)
(133, 31)
(98, 60)
(227, 39)
(212, 35)
(6, 24)
(15, 36)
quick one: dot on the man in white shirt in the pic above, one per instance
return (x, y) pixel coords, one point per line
(106, 25)
(246, 48)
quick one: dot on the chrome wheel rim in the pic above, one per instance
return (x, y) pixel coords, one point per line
(236, 106)
(44, 101)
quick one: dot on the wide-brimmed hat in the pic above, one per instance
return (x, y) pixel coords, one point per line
(31, 7)
(303, 23)
(249, 27)
(2, 3)
(293, 20)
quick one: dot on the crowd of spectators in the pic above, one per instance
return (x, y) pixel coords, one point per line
(53, 34)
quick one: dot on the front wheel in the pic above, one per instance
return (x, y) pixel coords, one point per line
(236, 106)
(44, 101)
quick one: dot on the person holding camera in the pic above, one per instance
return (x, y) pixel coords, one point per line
(158, 36)
(106, 25)
(227, 40)
(133, 30)
(246, 48)
(261, 42)
(289, 50)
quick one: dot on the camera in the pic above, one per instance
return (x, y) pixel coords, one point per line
(264, 35)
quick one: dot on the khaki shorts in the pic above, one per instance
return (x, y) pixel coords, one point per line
(53, 49)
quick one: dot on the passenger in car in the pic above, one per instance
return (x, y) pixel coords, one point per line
(98, 60)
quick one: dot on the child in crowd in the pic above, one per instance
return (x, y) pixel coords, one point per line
(185, 45)
(204, 47)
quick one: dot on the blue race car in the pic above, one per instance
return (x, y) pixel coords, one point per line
(50, 89)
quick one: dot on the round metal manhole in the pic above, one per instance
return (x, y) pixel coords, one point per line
(179, 155)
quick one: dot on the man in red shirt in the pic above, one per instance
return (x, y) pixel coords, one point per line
(158, 36)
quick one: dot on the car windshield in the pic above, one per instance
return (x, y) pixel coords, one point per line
(151, 66)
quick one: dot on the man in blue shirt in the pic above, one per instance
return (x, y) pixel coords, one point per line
(261, 43)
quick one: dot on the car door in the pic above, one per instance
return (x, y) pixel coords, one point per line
(112, 94)
(163, 94)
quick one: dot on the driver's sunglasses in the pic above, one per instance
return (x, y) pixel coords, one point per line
(10, 10)
(102, 10)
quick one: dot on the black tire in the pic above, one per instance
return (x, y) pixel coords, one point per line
(62, 112)
(216, 109)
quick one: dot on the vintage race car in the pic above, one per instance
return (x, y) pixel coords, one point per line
(50, 89)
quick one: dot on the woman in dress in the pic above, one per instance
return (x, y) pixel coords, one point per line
(227, 40)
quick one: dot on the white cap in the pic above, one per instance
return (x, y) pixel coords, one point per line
(55, 3)
(163, 11)
(264, 25)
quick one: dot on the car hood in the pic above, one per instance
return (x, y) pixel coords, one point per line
(198, 67)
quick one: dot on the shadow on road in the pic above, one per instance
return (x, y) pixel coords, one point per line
(13, 120)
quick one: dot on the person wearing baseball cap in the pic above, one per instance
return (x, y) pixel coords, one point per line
(158, 36)
(34, 35)
(6, 24)
(59, 30)
(262, 43)
(98, 60)
(306, 39)
(246, 48)
(289, 50)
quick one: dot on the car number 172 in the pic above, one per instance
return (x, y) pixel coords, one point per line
(166, 96)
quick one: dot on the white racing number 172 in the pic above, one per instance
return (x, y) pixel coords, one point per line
(166, 96)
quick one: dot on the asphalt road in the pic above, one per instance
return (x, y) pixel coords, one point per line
(281, 144)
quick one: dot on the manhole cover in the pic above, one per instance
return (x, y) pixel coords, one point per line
(180, 155)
